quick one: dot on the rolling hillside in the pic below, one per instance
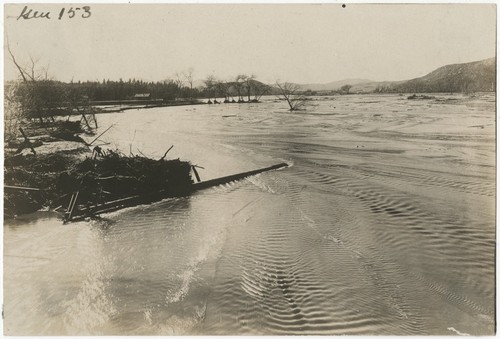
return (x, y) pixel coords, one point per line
(478, 76)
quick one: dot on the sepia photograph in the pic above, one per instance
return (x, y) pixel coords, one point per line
(217, 169)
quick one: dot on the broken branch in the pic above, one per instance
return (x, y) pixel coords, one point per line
(164, 155)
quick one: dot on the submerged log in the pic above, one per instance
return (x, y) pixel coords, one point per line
(229, 178)
(134, 200)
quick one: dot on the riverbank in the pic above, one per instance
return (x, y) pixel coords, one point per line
(114, 106)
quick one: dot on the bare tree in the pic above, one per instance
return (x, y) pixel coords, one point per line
(290, 93)
(259, 90)
(38, 97)
(179, 84)
(232, 90)
(249, 80)
(189, 77)
(178, 80)
(222, 88)
(21, 70)
(34, 98)
(210, 82)
(240, 84)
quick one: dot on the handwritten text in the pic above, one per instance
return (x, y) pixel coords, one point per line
(71, 12)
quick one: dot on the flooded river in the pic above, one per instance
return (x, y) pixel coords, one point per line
(384, 223)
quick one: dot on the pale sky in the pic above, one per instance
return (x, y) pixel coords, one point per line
(315, 43)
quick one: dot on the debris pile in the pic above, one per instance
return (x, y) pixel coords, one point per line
(36, 181)
(30, 180)
(34, 134)
(30, 170)
(113, 175)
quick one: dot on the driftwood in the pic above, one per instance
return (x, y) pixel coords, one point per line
(100, 135)
(26, 143)
(71, 207)
(225, 180)
(22, 188)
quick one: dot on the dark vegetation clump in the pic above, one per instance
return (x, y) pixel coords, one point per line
(34, 179)
(115, 175)
(50, 180)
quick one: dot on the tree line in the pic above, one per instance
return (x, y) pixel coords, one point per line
(37, 96)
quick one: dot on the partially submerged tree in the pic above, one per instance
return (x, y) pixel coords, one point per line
(240, 83)
(184, 82)
(259, 90)
(346, 88)
(210, 82)
(222, 89)
(249, 80)
(189, 77)
(290, 93)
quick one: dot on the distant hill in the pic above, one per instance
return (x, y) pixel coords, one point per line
(373, 86)
(334, 85)
(477, 76)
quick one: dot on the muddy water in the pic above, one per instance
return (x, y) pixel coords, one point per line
(383, 224)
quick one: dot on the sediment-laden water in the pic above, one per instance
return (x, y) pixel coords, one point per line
(383, 224)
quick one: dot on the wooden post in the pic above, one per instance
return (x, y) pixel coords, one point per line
(95, 120)
(107, 129)
(196, 173)
(84, 118)
(72, 203)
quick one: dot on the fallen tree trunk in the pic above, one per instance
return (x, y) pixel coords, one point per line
(225, 180)
(134, 200)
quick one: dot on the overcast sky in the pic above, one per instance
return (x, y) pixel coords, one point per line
(301, 43)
